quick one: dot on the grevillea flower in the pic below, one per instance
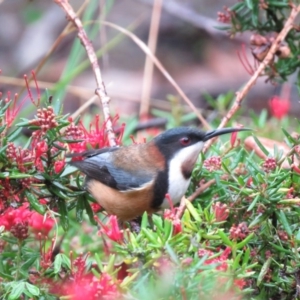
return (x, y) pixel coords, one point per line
(90, 287)
(225, 17)
(171, 215)
(96, 207)
(45, 119)
(95, 136)
(220, 261)
(40, 149)
(13, 216)
(111, 229)
(46, 254)
(240, 283)
(22, 215)
(213, 163)
(59, 166)
(40, 224)
(83, 285)
(242, 55)
(239, 232)
(13, 109)
(269, 164)
(279, 107)
(221, 211)
(233, 138)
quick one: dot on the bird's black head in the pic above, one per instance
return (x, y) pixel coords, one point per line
(173, 140)
(187, 140)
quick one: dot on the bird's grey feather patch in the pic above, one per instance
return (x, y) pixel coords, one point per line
(100, 167)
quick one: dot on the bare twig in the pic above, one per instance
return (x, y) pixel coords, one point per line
(192, 197)
(56, 43)
(180, 10)
(158, 64)
(148, 71)
(268, 59)
(100, 90)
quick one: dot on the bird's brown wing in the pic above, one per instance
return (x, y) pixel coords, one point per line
(98, 165)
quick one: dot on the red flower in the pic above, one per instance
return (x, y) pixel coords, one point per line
(45, 119)
(233, 138)
(95, 136)
(59, 166)
(40, 224)
(40, 149)
(221, 211)
(239, 232)
(279, 107)
(213, 163)
(12, 216)
(220, 261)
(22, 215)
(96, 207)
(112, 230)
(171, 215)
(269, 164)
(13, 109)
(240, 283)
(90, 287)
(82, 285)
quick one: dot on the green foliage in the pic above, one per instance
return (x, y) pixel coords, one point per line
(267, 18)
(239, 238)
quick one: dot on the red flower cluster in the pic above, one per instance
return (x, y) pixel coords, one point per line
(12, 110)
(239, 232)
(220, 261)
(81, 285)
(226, 16)
(96, 136)
(96, 207)
(213, 163)
(279, 107)
(171, 215)
(221, 211)
(111, 229)
(90, 287)
(18, 220)
(45, 119)
(59, 166)
(269, 164)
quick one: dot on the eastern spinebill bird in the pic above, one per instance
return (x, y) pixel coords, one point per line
(127, 181)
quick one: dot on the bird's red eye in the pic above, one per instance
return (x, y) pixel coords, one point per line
(185, 141)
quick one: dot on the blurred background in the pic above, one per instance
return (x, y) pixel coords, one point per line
(202, 59)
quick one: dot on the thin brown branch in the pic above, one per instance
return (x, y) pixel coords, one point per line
(192, 197)
(148, 70)
(56, 43)
(100, 89)
(267, 61)
(162, 69)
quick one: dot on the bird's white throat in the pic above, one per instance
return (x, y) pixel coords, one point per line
(178, 184)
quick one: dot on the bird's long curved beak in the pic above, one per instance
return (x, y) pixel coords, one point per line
(212, 133)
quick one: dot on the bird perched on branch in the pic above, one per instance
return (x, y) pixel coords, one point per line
(127, 181)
